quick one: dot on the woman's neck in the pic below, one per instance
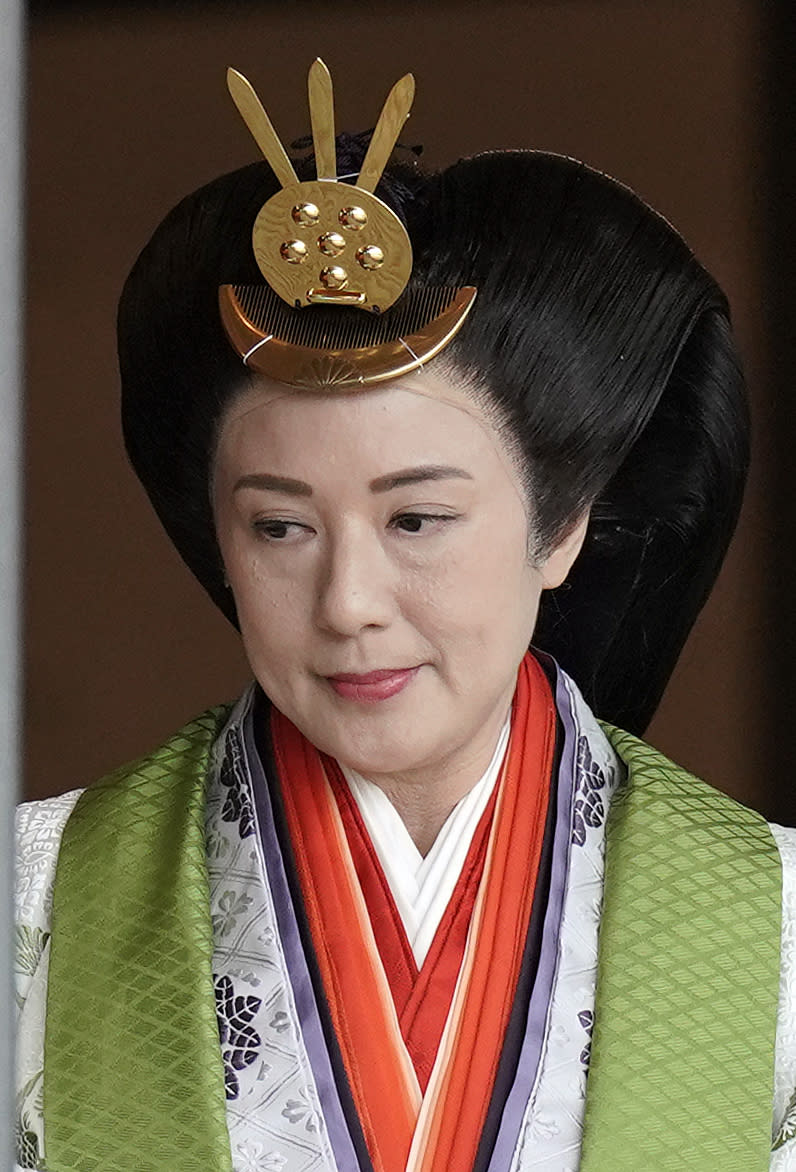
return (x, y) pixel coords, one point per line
(424, 798)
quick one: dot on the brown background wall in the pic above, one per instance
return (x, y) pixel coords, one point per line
(128, 111)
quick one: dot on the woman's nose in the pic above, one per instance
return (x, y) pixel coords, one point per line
(357, 588)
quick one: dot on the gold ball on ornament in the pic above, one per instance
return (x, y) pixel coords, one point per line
(293, 251)
(370, 257)
(354, 218)
(306, 214)
(334, 277)
(331, 243)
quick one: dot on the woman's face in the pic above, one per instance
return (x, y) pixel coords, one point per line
(376, 546)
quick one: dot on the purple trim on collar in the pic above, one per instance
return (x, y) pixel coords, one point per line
(538, 1009)
(300, 980)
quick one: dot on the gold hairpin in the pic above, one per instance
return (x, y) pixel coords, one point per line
(324, 243)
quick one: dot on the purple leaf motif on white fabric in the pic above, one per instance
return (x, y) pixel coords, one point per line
(240, 1042)
(589, 806)
(237, 804)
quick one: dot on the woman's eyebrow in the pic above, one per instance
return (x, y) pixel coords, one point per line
(416, 475)
(286, 484)
(274, 483)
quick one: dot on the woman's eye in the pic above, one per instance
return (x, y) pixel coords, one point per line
(419, 522)
(272, 529)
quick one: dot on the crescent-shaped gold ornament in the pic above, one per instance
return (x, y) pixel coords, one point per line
(326, 348)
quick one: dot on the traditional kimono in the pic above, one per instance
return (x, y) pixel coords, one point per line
(226, 962)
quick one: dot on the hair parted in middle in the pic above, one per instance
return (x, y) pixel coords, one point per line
(597, 341)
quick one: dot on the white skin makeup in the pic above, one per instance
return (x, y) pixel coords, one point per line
(376, 546)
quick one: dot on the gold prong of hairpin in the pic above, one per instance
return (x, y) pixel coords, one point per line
(322, 241)
(262, 131)
(321, 98)
(393, 115)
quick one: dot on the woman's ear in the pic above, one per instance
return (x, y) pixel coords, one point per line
(559, 561)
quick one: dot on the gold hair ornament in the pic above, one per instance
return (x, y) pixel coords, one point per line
(324, 246)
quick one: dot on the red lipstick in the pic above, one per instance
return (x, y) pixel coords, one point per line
(373, 686)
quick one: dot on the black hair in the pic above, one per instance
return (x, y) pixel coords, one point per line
(603, 345)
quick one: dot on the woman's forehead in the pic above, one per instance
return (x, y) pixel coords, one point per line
(417, 405)
(437, 381)
(424, 418)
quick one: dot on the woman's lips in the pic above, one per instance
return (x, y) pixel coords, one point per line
(372, 686)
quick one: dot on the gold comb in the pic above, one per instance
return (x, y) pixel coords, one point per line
(325, 348)
(325, 245)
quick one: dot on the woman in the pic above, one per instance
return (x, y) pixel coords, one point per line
(380, 877)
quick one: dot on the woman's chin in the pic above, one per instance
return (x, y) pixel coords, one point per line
(385, 756)
(393, 735)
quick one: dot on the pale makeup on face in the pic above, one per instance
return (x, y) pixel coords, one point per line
(376, 546)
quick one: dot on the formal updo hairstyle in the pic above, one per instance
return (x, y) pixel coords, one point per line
(600, 343)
